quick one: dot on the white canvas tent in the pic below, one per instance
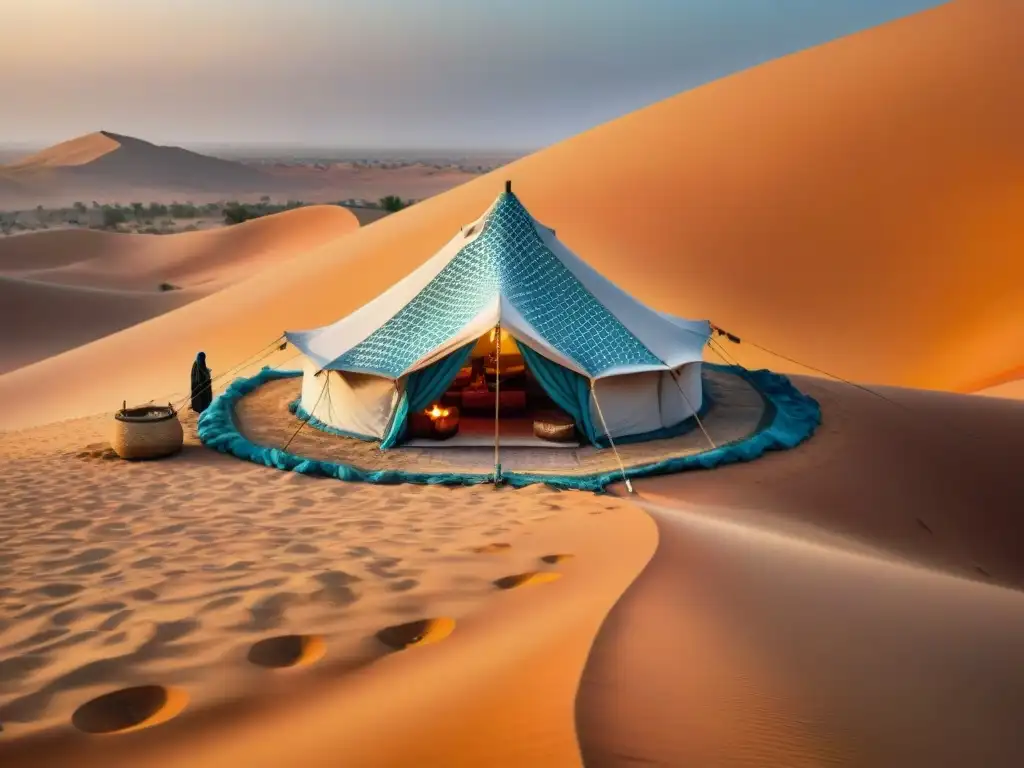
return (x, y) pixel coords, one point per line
(506, 269)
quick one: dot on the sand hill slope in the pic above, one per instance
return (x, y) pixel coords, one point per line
(855, 206)
(81, 150)
(1013, 390)
(854, 602)
(1009, 383)
(66, 288)
(105, 161)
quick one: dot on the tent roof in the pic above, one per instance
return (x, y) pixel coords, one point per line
(505, 267)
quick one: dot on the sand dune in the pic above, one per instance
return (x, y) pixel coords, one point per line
(870, 233)
(67, 288)
(1013, 390)
(109, 167)
(53, 318)
(104, 159)
(225, 558)
(78, 151)
(853, 602)
(1004, 384)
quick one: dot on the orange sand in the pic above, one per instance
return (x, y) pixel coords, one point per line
(1011, 389)
(856, 601)
(168, 573)
(78, 151)
(853, 602)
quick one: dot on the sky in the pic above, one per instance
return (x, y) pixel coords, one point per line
(427, 74)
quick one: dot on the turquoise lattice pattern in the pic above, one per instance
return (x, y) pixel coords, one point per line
(508, 257)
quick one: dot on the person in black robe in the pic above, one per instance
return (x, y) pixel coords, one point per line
(202, 384)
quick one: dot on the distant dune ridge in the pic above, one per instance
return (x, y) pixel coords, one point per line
(109, 167)
(104, 159)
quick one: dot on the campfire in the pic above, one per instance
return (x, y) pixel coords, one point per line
(444, 422)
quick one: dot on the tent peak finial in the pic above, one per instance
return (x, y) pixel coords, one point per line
(508, 185)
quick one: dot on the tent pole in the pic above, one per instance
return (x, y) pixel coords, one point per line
(497, 403)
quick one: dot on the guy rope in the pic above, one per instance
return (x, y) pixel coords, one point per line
(736, 340)
(276, 345)
(675, 378)
(608, 434)
(309, 415)
(497, 404)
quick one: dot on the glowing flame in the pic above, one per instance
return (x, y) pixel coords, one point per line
(436, 412)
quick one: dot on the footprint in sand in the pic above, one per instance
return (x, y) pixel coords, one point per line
(115, 621)
(60, 590)
(130, 709)
(15, 669)
(552, 559)
(404, 585)
(219, 603)
(492, 549)
(302, 549)
(523, 579)
(88, 569)
(112, 530)
(72, 525)
(287, 651)
(335, 588)
(421, 632)
(153, 561)
(269, 612)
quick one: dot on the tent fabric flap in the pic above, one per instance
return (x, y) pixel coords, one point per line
(354, 404)
(423, 387)
(569, 390)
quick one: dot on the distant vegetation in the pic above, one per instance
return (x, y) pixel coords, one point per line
(236, 213)
(164, 219)
(393, 203)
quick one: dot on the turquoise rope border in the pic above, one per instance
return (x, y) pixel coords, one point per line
(791, 418)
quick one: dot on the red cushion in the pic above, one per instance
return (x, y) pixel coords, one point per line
(476, 399)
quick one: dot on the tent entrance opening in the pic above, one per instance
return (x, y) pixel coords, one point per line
(487, 386)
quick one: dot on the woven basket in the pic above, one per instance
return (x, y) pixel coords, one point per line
(147, 432)
(555, 427)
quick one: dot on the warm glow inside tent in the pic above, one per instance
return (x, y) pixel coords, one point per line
(569, 339)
